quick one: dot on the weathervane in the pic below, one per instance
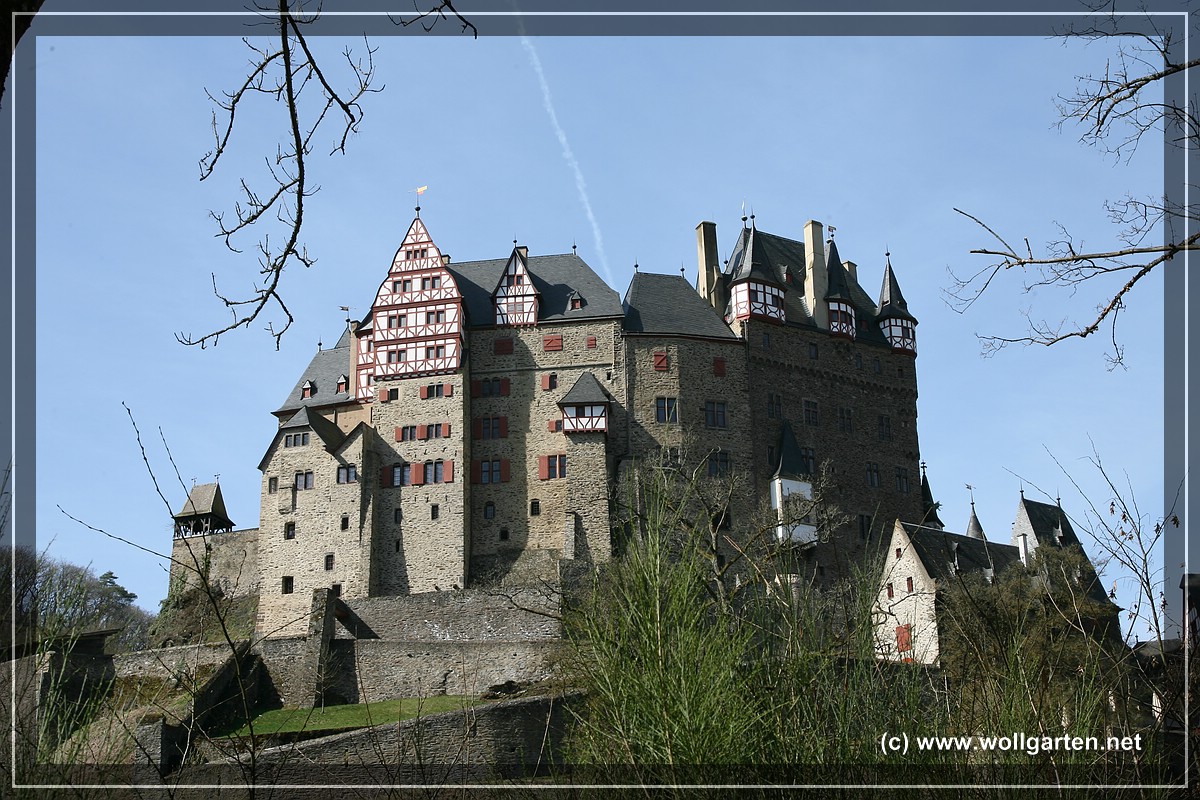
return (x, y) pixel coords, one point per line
(420, 190)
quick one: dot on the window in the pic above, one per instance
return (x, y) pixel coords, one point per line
(898, 552)
(396, 286)
(393, 394)
(885, 428)
(295, 439)
(811, 415)
(345, 522)
(504, 534)
(307, 389)
(535, 508)
(718, 465)
(876, 367)
(813, 351)
(436, 389)
(891, 590)
(808, 460)
(439, 471)
(437, 282)
(289, 530)
(436, 351)
(864, 526)
(406, 286)
(396, 320)
(873, 474)
(336, 590)
(429, 472)
(288, 584)
(329, 562)
(433, 511)
(660, 361)
(397, 356)
(426, 283)
(576, 303)
(495, 387)
(407, 433)
(846, 420)
(304, 480)
(714, 414)
(551, 343)
(910, 584)
(397, 515)
(901, 480)
(489, 510)
(771, 462)
(342, 384)
(766, 341)
(549, 381)
(718, 367)
(435, 316)
(775, 405)
(666, 409)
(489, 471)
(348, 473)
(556, 466)
(272, 485)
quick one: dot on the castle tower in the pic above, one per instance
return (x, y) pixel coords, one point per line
(839, 301)
(202, 512)
(899, 326)
(755, 288)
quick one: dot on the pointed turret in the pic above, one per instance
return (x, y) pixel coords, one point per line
(974, 529)
(203, 512)
(755, 287)
(930, 508)
(899, 326)
(837, 294)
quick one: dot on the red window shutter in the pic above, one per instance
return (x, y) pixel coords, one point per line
(445, 430)
(383, 395)
(504, 470)
(504, 387)
(660, 361)
(448, 391)
(422, 432)
(719, 367)
(385, 476)
(552, 342)
(424, 392)
(546, 382)
(476, 388)
(448, 472)
(910, 584)
(543, 468)
(399, 434)
(502, 347)
(418, 474)
(903, 638)
(476, 471)
(591, 342)
(476, 428)
(550, 426)
(504, 427)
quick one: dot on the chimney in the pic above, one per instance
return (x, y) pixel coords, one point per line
(524, 251)
(706, 255)
(816, 275)
(851, 270)
(445, 259)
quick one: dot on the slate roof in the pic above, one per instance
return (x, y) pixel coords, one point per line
(785, 258)
(891, 300)
(330, 434)
(667, 304)
(936, 549)
(839, 280)
(205, 499)
(555, 278)
(586, 391)
(928, 505)
(1047, 520)
(792, 465)
(324, 370)
(974, 529)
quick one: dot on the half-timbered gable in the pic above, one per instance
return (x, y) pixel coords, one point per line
(515, 297)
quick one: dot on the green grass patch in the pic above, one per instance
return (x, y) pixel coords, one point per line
(359, 715)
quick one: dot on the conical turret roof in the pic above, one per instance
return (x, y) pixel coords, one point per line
(891, 299)
(974, 529)
(928, 506)
(839, 282)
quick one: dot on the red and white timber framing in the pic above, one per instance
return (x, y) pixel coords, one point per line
(752, 299)
(416, 319)
(515, 299)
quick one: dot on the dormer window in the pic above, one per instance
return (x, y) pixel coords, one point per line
(841, 319)
(576, 303)
(308, 390)
(901, 334)
(343, 383)
(585, 418)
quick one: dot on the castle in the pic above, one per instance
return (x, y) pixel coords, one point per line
(472, 427)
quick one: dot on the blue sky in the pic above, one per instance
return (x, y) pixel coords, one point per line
(879, 136)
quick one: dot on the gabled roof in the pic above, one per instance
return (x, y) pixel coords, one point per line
(330, 434)
(937, 550)
(586, 391)
(764, 257)
(667, 304)
(521, 260)
(324, 370)
(839, 279)
(891, 301)
(792, 464)
(554, 278)
(205, 500)
(1049, 523)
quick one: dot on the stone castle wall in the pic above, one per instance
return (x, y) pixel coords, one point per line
(230, 560)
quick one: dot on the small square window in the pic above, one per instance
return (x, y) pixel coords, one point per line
(504, 534)
(288, 584)
(345, 522)
(289, 530)
(535, 507)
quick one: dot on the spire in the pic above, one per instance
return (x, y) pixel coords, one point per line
(891, 299)
(929, 508)
(838, 285)
(974, 529)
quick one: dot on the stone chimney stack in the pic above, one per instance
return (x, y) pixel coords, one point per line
(816, 275)
(708, 262)
(851, 270)
(524, 251)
